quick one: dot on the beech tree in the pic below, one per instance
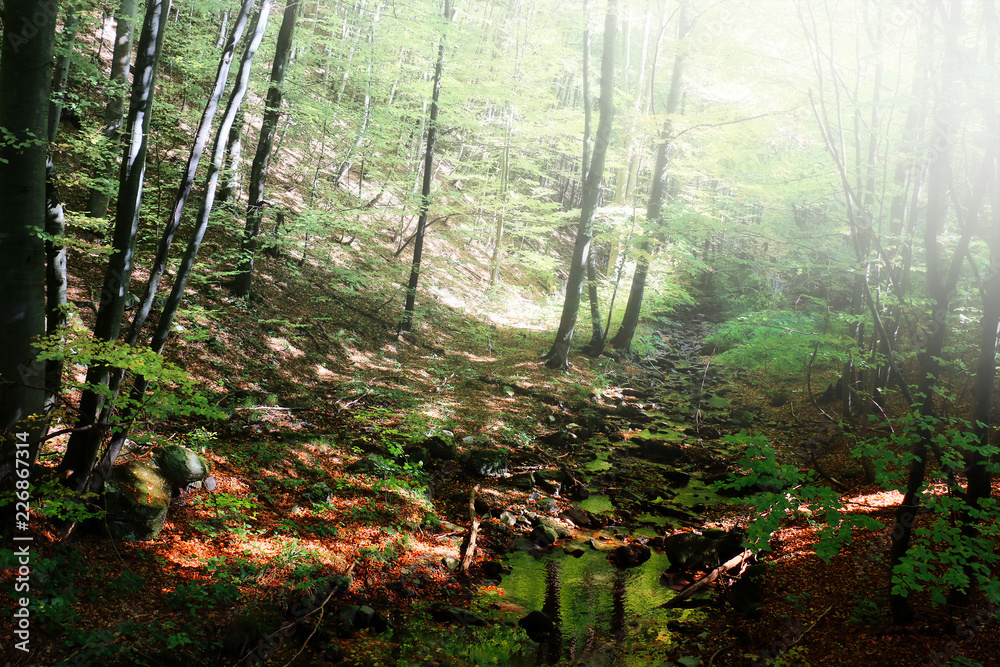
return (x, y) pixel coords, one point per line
(25, 82)
(265, 144)
(558, 355)
(425, 190)
(85, 443)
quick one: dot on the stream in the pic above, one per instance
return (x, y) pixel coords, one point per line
(631, 487)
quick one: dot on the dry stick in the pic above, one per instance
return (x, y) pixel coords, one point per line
(470, 545)
(708, 578)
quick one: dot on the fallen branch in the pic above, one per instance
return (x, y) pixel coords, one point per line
(469, 544)
(733, 562)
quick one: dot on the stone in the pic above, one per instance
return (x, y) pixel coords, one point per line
(537, 625)
(455, 616)
(319, 492)
(138, 497)
(677, 479)
(179, 465)
(544, 536)
(441, 445)
(630, 555)
(522, 480)
(481, 462)
(576, 515)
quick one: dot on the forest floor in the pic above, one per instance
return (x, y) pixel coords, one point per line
(304, 556)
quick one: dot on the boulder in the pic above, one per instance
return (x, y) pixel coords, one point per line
(441, 445)
(537, 625)
(630, 555)
(179, 465)
(481, 462)
(137, 498)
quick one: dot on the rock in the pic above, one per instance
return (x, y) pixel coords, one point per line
(493, 569)
(373, 465)
(441, 445)
(656, 450)
(317, 493)
(508, 519)
(485, 462)
(209, 483)
(576, 515)
(631, 555)
(550, 480)
(777, 398)
(455, 616)
(544, 536)
(482, 508)
(689, 552)
(522, 480)
(677, 479)
(179, 465)
(747, 591)
(537, 625)
(137, 498)
(577, 492)
(574, 551)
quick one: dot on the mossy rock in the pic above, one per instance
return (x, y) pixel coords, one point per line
(138, 497)
(486, 462)
(180, 465)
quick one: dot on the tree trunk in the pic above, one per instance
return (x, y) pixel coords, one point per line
(55, 281)
(941, 281)
(187, 181)
(120, 66)
(163, 326)
(231, 170)
(425, 192)
(558, 355)
(85, 443)
(622, 340)
(63, 48)
(262, 159)
(25, 81)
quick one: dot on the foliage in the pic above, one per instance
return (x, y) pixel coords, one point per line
(789, 494)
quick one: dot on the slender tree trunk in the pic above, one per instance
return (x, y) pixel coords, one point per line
(262, 159)
(163, 326)
(231, 170)
(63, 48)
(941, 282)
(622, 340)
(55, 281)
(345, 165)
(118, 82)
(187, 180)
(84, 445)
(425, 192)
(558, 355)
(25, 81)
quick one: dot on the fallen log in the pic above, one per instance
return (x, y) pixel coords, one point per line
(702, 583)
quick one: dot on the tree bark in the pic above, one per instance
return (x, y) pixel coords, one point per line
(262, 159)
(163, 326)
(55, 280)
(425, 191)
(622, 340)
(84, 445)
(187, 181)
(120, 66)
(63, 48)
(558, 355)
(25, 81)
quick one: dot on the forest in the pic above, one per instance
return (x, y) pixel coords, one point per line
(499, 332)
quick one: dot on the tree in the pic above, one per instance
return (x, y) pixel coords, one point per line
(558, 355)
(25, 81)
(121, 60)
(165, 322)
(622, 340)
(425, 190)
(84, 445)
(262, 159)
